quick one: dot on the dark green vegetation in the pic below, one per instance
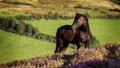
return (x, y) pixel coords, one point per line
(11, 24)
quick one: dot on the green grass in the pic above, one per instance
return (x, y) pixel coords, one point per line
(105, 30)
(15, 47)
(48, 26)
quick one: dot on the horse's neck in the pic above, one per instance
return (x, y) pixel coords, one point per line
(83, 28)
(86, 27)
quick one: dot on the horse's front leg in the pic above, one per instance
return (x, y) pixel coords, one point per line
(87, 45)
(79, 45)
(87, 42)
(65, 45)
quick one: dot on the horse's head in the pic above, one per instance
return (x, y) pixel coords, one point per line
(79, 20)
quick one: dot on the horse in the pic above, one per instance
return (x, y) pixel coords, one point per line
(78, 33)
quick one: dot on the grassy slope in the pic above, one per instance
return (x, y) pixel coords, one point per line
(14, 47)
(106, 30)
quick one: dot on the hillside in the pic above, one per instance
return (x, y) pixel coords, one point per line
(15, 47)
(107, 56)
(66, 7)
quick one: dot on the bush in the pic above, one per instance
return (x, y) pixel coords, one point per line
(55, 16)
(94, 41)
(7, 23)
(28, 30)
(35, 33)
(20, 28)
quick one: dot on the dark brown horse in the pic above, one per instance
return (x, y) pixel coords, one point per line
(77, 33)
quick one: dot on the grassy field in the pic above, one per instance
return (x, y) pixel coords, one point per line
(14, 47)
(48, 26)
(105, 30)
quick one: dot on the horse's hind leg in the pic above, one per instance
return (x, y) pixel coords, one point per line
(79, 45)
(65, 45)
(59, 43)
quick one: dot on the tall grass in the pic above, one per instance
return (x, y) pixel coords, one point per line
(105, 30)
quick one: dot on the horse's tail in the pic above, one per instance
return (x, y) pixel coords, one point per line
(58, 41)
(58, 34)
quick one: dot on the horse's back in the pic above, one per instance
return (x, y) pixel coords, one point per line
(66, 27)
(62, 29)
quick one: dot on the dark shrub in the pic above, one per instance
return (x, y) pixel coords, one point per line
(20, 28)
(28, 30)
(35, 33)
(94, 41)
